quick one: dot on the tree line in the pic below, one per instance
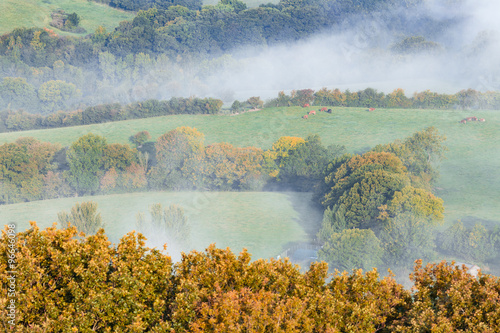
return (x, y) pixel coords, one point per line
(371, 98)
(71, 282)
(179, 159)
(15, 92)
(21, 120)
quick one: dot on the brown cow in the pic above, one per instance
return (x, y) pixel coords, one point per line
(305, 116)
(474, 118)
(468, 118)
(312, 112)
(371, 109)
(306, 105)
(324, 109)
(463, 121)
(482, 120)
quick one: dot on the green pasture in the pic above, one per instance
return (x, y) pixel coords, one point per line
(470, 177)
(36, 13)
(250, 3)
(263, 222)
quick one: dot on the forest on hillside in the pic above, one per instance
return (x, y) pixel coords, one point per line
(173, 49)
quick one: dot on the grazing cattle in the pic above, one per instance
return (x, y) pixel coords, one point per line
(323, 109)
(482, 120)
(312, 112)
(305, 116)
(463, 121)
(329, 111)
(371, 109)
(306, 105)
(473, 118)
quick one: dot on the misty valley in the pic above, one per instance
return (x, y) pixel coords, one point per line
(242, 166)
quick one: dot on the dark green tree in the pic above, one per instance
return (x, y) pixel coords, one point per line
(352, 249)
(85, 159)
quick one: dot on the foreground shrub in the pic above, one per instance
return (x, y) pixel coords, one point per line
(69, 282)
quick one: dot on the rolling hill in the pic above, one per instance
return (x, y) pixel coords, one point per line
(36, 13)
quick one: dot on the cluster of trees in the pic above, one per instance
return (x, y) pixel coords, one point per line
(34, 170)
(369, 97)
(179, 159)
(21, 120)
(380, 209)
(135, 5)
(378, 206)
(70, 283)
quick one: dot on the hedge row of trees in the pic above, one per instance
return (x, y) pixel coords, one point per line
(464, 99)
(67, 283)
(22, 121)
(32, 170)
(135, 5)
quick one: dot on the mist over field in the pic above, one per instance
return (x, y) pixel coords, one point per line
(359, 53)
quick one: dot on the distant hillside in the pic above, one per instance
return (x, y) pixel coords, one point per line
(36, 13)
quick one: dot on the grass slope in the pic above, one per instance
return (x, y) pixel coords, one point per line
(469, 184)
(36, 13)
(249, 3)
(225, 218)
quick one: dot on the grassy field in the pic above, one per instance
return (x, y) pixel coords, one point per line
(36, 13)
(250, 3)
(469, 183)
(224, 218)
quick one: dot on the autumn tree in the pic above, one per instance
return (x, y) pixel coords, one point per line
(448, 299)
(419, 153)
(225, 167)
(397, 99)
(83, 216)
(255, 102)
(72, 283)
(172, 150)
(23, 165)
